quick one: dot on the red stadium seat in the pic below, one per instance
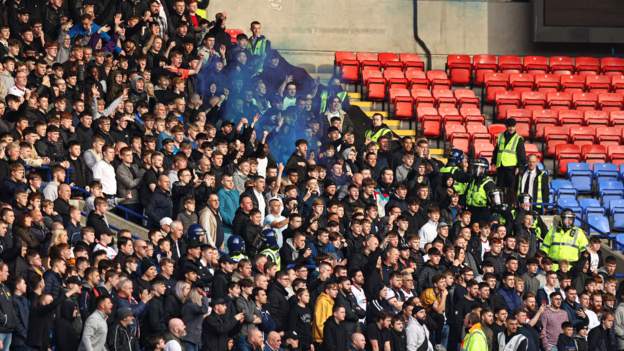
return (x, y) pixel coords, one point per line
(533, 100)
(466, 97)
(395, 79)
(521, 115)
(542, 119)
(390, 60)
(431, 126)
(594, 117)
(340, 56)
(573, 83)
(416, 78)
(483, 64)
(453, 128)
(371, 72)
(396, 92)
(535, 64)
(510, 64)
(495, 130)
(495, 83)
(547, 82)
(412, 61)
(571, 117)
(459, 69)
(480, 119)
(476, 128)
(583, 135)
(506, 100)
(531, 149)
(350, 71)
(561, 65)
(461, 141)
(559, 100)
(617, 82)
(422, 97)
(594, 153)
(608, 135)
(424, 111)
(521, 81)
(615, 153)
(616, 118)
(368, 59)
(404, 107)
(444, 97)
(376, 89)
(612, 65)
(555, 135)
(438, 78)
(610, 101)
(484, 148)
(598, 83)
(585, 101)
(566, 153)
(587, 65)
(469, 110)
(450, 114)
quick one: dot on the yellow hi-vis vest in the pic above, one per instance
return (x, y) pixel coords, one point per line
(506, 156)
(565, 245)
(274, 256)
(476, 195)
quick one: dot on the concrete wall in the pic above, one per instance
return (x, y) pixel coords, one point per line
(310, 31)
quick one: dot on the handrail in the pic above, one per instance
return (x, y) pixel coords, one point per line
(126, 211)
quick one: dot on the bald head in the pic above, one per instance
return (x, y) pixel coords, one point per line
(359, 341)
(177, 327)
(255, 337)
(274, 340)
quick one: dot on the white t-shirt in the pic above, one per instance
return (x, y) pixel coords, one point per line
(173, 345)
(270, 218)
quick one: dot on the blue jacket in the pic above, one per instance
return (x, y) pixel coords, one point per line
(78, 29)
(22, 309)
(511, 299)
(228, 204)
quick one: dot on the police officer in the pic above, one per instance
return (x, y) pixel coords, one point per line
(270, 248)
(236, 248)
(565, 241)
(196, 232)
(480, 189)
(509, 154)
(454, 167)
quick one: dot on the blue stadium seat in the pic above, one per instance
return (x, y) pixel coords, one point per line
(563, 188)
(578, 166)
(618, 219)
(605, 171)
(598, 224)
(591, 206)
(568, 202)
(610, 185)
(613, 204)
(581, 179)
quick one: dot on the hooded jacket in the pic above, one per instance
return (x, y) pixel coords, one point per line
(67, 328)
(322, 311)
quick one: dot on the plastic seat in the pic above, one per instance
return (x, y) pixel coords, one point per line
(484, 149)
(483, 64)
(469, 110)
(567, 202)
(494, 83)
(587, 65)
(521, 81)
(376, 89)
(610, 101)
(370, 59)
(453, 128)
(510, 64)
(606, 171)
(495, 130)
(547, 82)
(617, 82)
(474, 128)
(340, 56)
(535, 64)
(466, 97)
(608, 135)
(571, 117)
(431, 126)
(555, 135)
(566, 153)
(444, 97)
(459, 69)
(543, 119)
(594, 153)
(521, 115)
(594, 117)
(411, 60)
(371, 72)
(615, 153)
(591, 203)
(616, 118)
(598, 83)
(450, 114)
(422, 97)
(561, 64)
(531, 149)
(599, 224)
(580, 176)
(533, 100)
(416, 78)
(572, 83)
(395, 79)
(612, 65)
(396, 92)
(506, 100)
(558, 100)
(562, 186)
(350, 71)
(424, 111)
(438, 78)
(582, 135)
(461, 141)
(404, 107)
(585, 101)
(480, 119)
(390, 61)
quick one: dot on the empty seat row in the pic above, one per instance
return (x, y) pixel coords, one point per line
(379, 83)
(352, 63)
(565, 153)
(562, 117)
(463, 70)
(496, 82)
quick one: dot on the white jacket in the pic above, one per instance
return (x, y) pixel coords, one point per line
(416, 335)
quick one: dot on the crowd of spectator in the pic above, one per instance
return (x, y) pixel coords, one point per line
(275, 220)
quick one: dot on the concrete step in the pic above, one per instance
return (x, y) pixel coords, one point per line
(364, 105)
(354, 96)
(405, 132)
(371, 113)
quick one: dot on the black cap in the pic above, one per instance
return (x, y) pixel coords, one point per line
(510, 122)
(218, 301)
(74, 280)
(190, 268)
(532, 260)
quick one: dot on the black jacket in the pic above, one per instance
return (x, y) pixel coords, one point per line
(97, 222)
(120, 338)
(8, 316)
(278, 305)
(159, 207)
(352, 309)
(215, 330)
(335, 336)
(601, 339)
(154, 322)
(22, 309)
(41, 321)
(67, 329)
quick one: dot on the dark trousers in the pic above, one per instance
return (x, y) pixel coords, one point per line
(506, 179)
